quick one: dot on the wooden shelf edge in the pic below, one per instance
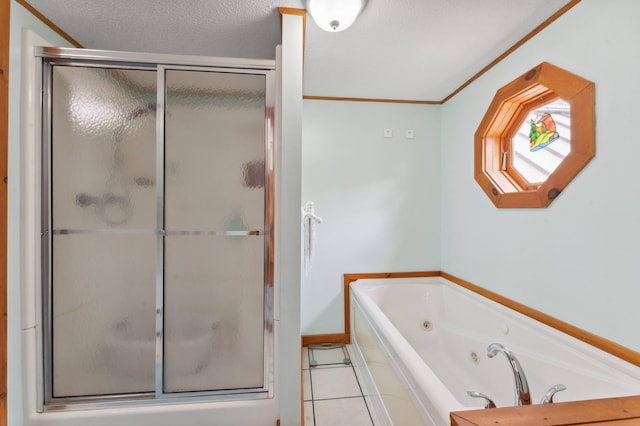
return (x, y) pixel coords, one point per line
(625, 410)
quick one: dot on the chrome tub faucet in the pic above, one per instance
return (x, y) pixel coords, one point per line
(522, 395)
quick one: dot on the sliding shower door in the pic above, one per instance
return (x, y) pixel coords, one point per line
(214, 221)
(157, 232)
(102, 213)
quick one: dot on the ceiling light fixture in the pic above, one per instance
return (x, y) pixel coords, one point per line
(335, 15)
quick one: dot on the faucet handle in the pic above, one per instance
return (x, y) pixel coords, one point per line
(488, 402)
(548, 397)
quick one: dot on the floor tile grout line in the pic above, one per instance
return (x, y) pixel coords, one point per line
(339, 397)
(351, 373)
(360, 386)
(329, 366)
(363, 398)
(313, 404)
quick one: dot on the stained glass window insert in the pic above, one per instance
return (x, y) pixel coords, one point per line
(542, 141)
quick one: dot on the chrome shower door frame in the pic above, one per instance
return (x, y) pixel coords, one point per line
(161, 64)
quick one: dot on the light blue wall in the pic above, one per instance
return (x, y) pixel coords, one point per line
(379, 198)
(576, 260)
(20, 19)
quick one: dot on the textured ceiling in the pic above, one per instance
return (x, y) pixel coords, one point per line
(403, 49)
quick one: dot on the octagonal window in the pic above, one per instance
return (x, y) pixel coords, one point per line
(536, 136)
(541, 142)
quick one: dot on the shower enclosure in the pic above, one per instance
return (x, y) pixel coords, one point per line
(157, 229)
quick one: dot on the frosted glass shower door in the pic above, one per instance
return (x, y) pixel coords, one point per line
(214, 249)
(156, 242)
(102, 231)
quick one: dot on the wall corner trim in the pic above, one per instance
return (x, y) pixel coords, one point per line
(5, 14)
(35, 12)
(297, 12)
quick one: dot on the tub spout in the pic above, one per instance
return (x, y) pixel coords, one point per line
(488, 402)
(548, 397)
(522, 395)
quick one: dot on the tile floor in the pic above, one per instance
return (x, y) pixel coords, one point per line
(333, 392)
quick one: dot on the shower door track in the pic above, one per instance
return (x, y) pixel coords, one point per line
(159, 63)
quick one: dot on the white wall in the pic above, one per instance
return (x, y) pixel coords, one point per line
(287, 239)
(576, 260)
(21, 20)
(379, 198)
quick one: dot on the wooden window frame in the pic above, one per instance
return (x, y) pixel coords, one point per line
(505, 115)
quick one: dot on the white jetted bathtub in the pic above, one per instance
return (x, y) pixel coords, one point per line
(421, 344)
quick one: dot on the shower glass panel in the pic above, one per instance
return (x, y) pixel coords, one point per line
(157, 230)
(102, 225)
(215, 225)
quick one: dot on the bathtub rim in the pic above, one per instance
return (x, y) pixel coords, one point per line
(378, 292)
(589, 405)
(615, 349)
(403, 359)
